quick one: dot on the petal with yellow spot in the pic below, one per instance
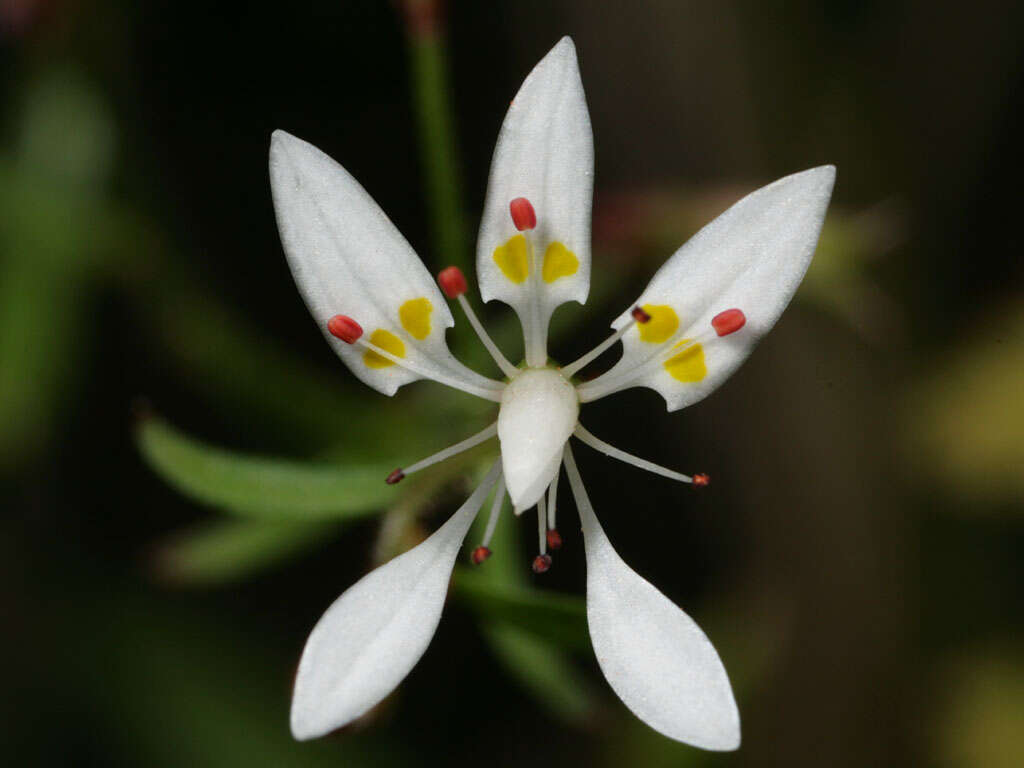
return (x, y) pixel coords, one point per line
(688, 365)
(663, 323)
(415, 317)
(559, 261)
(512, 259)
(387, 341)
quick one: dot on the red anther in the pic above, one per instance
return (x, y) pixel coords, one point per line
(452, 282)
(701, 480)
(395, 477)
(523, 215)
(729, 321)
(345, 328)
(541, 563)
(640, 316)
(554, 539)
(479, 555)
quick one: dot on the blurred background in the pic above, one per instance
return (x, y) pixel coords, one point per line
(189, 477)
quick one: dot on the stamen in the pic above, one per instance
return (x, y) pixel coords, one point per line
(729, 321)
(344, 328)
(496, 507)
(552, 499)
(701, 480)
(542, 526)
(447, 453)
(541, 564)
(452, 282)
(503, 362)
(610, 450)
(638, 316)
(534, 330)
(454, 285)
(523, 215)
(479, 555)
(554, 539)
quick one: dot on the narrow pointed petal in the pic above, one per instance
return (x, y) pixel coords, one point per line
(545, 154)
(373, 635)
(538, 412)
(750, 258)
(654, 656)
(348, 258)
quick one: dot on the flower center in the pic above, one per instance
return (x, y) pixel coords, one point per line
(538, 412)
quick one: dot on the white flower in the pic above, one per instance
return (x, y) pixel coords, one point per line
(690, 328)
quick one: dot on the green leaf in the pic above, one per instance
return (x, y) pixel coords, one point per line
(226, 550)
(543, 670)
(556, 617)
(272, 489)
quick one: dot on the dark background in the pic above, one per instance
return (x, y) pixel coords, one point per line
(857, 560)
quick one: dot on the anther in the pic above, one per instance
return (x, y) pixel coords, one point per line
(541, 563)
(479, 555)
(395, 477)
(452, 282)
(640, 316)
(729, 321)
(523, 215)
(554, 539)
(700, 480)
(345, 328)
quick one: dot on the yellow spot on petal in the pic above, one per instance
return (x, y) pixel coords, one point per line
(663, 323)
(559, 261)
(512, 259)
(689, 364)
(387, 341)
(415, 317)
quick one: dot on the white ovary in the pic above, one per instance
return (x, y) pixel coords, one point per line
(538, 412)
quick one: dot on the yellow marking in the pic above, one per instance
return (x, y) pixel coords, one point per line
(387, 341)
(559, 261)
(689, 364)
(415, 317)
(512, 259)
(663, 323)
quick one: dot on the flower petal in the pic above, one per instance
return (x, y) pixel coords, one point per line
(752, 257)
(654, 656)
(348, 258)
(545, 153)
(373, 635)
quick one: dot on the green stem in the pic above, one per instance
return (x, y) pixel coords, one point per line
(431, 94)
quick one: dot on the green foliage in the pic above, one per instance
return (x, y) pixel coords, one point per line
(270, 489)
(227, 550)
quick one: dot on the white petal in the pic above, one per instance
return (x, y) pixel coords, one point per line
(655, 657)
(348, 258)
(373, 635)
(545, 153)
(538, 412)
(752, 258)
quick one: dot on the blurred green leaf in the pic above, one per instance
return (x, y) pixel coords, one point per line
(533, 657)
(176, 687)
(965, 417)
(557, 617)
(431, 92)
(273, 489)
(226, 550)
(982, 710)
(543, 670)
